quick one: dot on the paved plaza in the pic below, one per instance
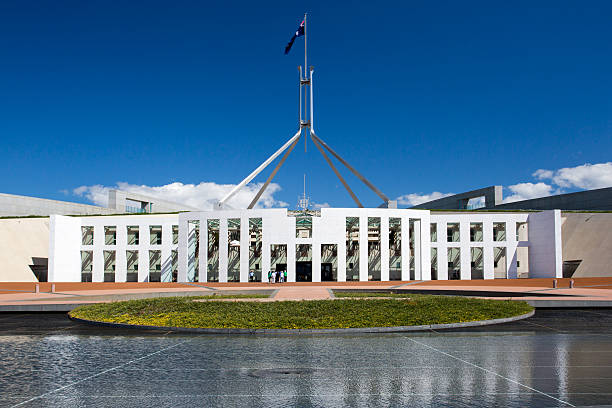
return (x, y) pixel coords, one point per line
(23, 296)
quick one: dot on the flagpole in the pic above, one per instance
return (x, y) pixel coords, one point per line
(306, 75)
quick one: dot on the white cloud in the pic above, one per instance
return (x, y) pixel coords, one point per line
(525, 191)
(202, 196)
(419, 198)
(587, 176)
(318, 206)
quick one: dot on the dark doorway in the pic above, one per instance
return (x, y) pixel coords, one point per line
(281, 267)
(327, 272)
(303, 271)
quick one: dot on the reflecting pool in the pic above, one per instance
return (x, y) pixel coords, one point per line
(555, 359)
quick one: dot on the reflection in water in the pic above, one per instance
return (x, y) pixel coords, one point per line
(372, 370)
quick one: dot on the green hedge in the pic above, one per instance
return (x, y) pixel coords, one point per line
(311, 314)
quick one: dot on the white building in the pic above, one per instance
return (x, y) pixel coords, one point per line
(333, 244)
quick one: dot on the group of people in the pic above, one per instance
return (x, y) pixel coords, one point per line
(277, 276)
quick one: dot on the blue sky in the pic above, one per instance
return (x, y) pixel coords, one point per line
(421, 97)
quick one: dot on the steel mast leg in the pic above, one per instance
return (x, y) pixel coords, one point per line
(348, 166)
(276, 169)
(327, 159)
(259, 169)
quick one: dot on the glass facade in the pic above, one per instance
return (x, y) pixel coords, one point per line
(132, 266)
(155, 233)
(110, 235)
(374, 248)
(133, 235)
(434, 263)
(255, 248)
(233, 250)
(329, 262)
(499, 231)
(155, 266)
(352, 248)
(109, 266)
(454, 263)
(477, 263)
(395, 248)
(212, 251)
(87, 235)
(476, 231)
(193, 251)
(86, 265)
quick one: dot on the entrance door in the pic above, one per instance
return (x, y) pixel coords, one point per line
(303, 271)
(326, 272)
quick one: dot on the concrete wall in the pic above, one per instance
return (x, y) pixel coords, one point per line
(588, 237)
(545, 246)
(16, 205)
(117, 202)
(64, 242)
(492, 195)
(599, 199)
(21, 240)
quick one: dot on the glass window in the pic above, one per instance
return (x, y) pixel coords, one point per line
(110, 235)
(395, 248)
(499, 231)
(374, 248)
(476, 262)
(434, 263)
(452, 232)
(522, 232)
(133, 235)
(433, 231)
(86, 266)
(175, 234)
(174, 267)
(476, 231)
(233, 250)
(132, 266)
(255, 248)
(155, 232)
(87, 235)
(154, 266)
(329, 262)
(303, 227)
(454, 264)
(352, 248)
(109, 266)
(499, 263)
(212, 263)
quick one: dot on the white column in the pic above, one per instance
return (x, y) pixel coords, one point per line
(342, 259)
(384, 248)
(417, 250)
(489, 272)
(442, 260)
(182, 250)
(97, 274)
(223, 249)
(316, 261)
(290, 262)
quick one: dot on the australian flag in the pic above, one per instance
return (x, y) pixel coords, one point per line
(298, 33)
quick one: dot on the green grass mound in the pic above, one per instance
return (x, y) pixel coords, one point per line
(310, 314)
